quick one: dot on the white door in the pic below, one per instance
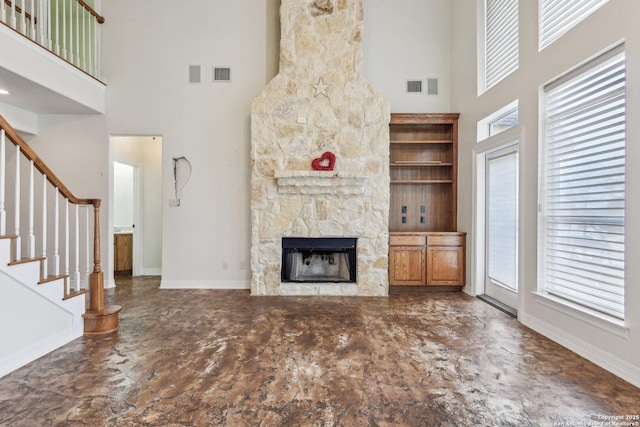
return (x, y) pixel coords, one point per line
(125, 204)
(501, 224)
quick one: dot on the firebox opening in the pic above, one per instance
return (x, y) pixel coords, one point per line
(318, 260)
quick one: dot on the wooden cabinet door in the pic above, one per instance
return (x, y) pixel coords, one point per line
(445, 265)
(407, 265)
(123, 252)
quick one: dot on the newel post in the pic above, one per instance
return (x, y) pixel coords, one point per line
(96, 281)
(99, 319)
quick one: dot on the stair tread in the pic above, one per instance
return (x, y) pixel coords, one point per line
(52, 279)
(107, 311)
(27, 260)
(75, 294)
(8, 236)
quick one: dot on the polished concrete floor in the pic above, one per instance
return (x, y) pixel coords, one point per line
(224, 358)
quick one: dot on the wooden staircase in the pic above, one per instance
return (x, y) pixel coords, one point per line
(43, 279)
(55, 273)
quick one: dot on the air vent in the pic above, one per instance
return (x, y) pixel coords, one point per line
(432, 86)
(221, 74)
(194, 74)
(414, 86)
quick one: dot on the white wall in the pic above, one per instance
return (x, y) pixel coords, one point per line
(147, 49)
(408, 40)
(617, 20)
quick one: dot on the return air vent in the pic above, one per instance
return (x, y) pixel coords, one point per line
(221, 74)
(432, 86)
(414, 86)
(194, 74)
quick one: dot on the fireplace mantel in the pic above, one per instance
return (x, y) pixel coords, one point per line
(320, 182)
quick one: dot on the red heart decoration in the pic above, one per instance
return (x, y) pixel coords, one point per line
(326, 162)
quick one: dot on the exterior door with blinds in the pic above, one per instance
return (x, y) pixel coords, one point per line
(501, 224)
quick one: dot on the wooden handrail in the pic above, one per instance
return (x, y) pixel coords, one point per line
(99, 18)
(15, 137)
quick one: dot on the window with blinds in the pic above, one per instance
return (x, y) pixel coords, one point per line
(501, 40)
(559, 16)
(583, 185)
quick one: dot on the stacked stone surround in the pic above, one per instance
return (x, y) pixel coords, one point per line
(320, 102)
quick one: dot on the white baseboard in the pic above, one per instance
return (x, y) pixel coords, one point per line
(109, 283)
(599, 356)
(35, 351)
(151, 272)
(205, 284)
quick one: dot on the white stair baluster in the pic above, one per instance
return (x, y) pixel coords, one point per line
(16, 221)
(57, 21)
(23, 19)
(88, 246)
(76, 270)
(78, 56)
(45, 267)
(64, 29)
(56, 234)
(43, 11)
(92, 47)
(73, 47)
(3, 180)
(96, 42)
(66, 245)
(85, 15)
(32, 31)
(14, 22)
(69, 27)
(31, 238)
(66, 237)
(72, 36)
(17, 20)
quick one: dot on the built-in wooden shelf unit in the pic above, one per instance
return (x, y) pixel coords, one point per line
(425, 248)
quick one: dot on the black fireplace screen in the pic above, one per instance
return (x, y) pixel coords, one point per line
(322, 259)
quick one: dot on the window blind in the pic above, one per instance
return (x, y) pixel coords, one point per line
(502, 218)
(584, 185)
(559, 16)
(501, 40)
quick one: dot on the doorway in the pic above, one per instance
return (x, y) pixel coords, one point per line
(137, 162)
(501, 229)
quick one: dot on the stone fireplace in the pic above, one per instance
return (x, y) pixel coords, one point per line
(318, 103)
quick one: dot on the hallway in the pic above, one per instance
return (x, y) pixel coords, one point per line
(205, 358)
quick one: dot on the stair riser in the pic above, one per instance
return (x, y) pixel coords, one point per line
(28, 273)
(5, 245)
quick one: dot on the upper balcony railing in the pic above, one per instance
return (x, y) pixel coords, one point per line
(68, 28)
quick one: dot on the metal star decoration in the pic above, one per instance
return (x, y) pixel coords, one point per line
(321, 88)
